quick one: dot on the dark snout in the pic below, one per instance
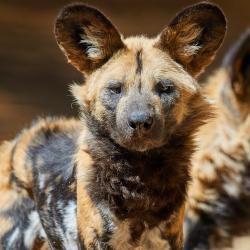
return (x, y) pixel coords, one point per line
(139, 124)
(140, 114)
(141, 121)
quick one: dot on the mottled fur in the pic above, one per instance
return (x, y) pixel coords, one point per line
(219, 198)
(30, 164)
(117, 178)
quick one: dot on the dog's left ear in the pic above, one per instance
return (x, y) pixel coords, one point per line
(193, 37)
(237, 62)
(86, 36)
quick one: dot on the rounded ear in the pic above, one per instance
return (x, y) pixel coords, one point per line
(193, 37)
(86, 36)
(237, 61)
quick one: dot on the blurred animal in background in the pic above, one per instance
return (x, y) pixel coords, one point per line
(218, 207)
(117, 178)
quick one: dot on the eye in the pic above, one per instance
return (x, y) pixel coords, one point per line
(165, 87)
(115, 87)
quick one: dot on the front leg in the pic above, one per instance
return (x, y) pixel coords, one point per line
(174, 230)
(56, 205)
(94, 227)
(20, 226)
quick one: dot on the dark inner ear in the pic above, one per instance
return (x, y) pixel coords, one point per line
(245, 68)
(193, 37)
(237, 61)
(241, 78)
(86, 36)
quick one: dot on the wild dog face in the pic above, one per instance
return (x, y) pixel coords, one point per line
(236, 88)
(139, 89)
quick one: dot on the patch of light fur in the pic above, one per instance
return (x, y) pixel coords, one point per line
(69, 221)
(33, 230)
(41, 181)
(58, 228)
(92, 45)
(187, 82)
(210, 100)
(42, 234)
(232, 190)
(49, 197)
(76, 91)
(106, 212)
(204, 207)
(13, 238)
(192, 49)
(209, 171)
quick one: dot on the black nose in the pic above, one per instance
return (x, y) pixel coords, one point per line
(140, 120)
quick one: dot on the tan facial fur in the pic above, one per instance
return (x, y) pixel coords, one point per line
(156, 65)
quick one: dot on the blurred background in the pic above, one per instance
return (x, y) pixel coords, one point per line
(34, 74)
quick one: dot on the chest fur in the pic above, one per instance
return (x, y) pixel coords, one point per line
(147, 187)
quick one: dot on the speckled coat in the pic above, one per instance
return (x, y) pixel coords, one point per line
(219, 198)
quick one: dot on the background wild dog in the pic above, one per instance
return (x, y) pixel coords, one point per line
(117, 178)
(219, 198)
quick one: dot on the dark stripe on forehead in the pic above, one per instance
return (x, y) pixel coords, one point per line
(139, 66)
(139, 62)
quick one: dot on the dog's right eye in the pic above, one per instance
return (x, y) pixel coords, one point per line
(165, 87)
(115, 87)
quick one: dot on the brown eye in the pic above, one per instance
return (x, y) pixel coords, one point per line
(165, 87)
(115, 87)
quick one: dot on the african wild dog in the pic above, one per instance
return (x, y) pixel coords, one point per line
(219, 198)
(116, 178)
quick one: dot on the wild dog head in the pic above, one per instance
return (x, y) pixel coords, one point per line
(140, 89)
(236, 88)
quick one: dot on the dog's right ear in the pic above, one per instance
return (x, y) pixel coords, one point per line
(86, 36)
(194, 36)
(237, 62)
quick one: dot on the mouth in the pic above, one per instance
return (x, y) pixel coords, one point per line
(140, 142)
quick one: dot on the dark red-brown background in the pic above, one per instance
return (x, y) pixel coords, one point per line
(34, 75)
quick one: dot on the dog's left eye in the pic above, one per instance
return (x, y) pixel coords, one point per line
(115, 87)
(165, 87)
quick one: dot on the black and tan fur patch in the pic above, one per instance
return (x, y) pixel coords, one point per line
(218, 204)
